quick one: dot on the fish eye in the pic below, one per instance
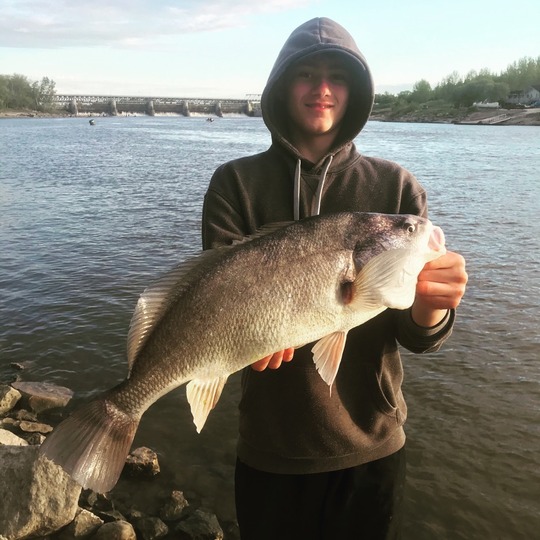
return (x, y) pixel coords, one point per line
(410, 227)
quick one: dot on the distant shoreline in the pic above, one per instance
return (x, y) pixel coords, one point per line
(500, 117)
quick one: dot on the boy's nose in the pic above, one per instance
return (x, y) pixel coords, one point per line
(321, 85)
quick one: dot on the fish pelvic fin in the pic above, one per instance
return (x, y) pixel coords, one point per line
(202, 396)
(327, 353)
(92, 444)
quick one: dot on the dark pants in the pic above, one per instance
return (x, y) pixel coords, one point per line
(360, 503)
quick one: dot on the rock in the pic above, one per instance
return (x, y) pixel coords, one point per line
(83, 526)
(34, 427)
(10, 439)
(200, 525)
(142, 462)
(151, 528)
(116, 530)
(97, 501)
(9, 423)
(9, 397)
(23, 414)
(38, 498)
(111, 515)
(174, 507)
(43, 396)
(35, 438)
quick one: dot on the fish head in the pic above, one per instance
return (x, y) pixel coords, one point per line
(389, 253)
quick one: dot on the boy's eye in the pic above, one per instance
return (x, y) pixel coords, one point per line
(340, 77)
(304, 74)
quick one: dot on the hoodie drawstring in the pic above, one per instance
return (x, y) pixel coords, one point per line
(297, 176)
(316, 205)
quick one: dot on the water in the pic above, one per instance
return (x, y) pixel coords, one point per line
(90, 214)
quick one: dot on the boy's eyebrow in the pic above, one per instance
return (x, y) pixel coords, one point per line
(331, 64)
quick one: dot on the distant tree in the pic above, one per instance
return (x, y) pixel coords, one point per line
(43, 93)
(4, 91)
(447, 89)
(385, 99)
(18, 92)
(521, 74)
(422, 92)
(20, 95)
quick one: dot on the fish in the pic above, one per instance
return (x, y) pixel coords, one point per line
(216, 313)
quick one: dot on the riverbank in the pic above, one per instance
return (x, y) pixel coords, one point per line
(500, 117)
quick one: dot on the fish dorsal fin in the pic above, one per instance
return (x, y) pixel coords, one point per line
(389, 280)
(202, 396)
(327, 353)
(264, 231)
(160, 295)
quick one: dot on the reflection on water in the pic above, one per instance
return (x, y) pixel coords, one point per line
(89, 216)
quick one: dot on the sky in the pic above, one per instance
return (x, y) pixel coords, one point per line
(226, 48)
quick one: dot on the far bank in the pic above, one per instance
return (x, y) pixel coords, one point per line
(501, 117)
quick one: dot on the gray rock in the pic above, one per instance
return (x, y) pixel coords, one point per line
(151, 528)
(174, 507)
(116, 530)
(9, 397)
(83, 526)
(34, 427)
(142, 462)
(7, 438)
(200, 525)
(43, 396)
(23, 414)
(38, 498)
(35, 438)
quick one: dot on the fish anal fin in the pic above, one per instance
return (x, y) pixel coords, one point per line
(202, 396)
(327, 353)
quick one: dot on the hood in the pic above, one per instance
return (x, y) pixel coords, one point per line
(316, 36)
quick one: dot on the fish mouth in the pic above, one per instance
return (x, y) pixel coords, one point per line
(436, 240)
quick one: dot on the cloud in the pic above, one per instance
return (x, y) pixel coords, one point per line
(122, 23)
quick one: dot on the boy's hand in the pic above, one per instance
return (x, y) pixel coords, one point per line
(273, 361)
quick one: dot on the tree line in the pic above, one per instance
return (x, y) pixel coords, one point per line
(473, 88)
(18, 92)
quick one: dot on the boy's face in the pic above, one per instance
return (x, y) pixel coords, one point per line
(317, 95)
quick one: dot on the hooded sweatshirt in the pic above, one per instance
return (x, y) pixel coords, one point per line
(289, 421)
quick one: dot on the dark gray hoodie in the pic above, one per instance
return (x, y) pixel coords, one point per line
(314, 37)
(289, 422)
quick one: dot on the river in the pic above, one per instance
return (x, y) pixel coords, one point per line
(89, 215)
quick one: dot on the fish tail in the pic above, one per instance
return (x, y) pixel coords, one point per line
(92, 444)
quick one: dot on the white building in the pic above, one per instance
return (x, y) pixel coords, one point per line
(530, 95)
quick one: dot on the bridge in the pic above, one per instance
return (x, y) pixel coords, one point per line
(116, 105)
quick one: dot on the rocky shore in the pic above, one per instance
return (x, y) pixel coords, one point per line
(39, 500)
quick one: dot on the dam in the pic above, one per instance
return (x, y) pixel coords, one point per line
(123, 105)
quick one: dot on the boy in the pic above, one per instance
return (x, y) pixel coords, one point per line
(314, 465)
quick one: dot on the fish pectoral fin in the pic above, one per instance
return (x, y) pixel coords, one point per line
(202, 396)
(327, 353)
(389, 280)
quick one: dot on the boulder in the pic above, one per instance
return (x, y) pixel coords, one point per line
(174, 506)
(151, 528)
(83, 526)
(142, 462)
(200, 525)
(116, 530)
(43, 396)
(8, 398)
(7, 438)
(38, 498)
